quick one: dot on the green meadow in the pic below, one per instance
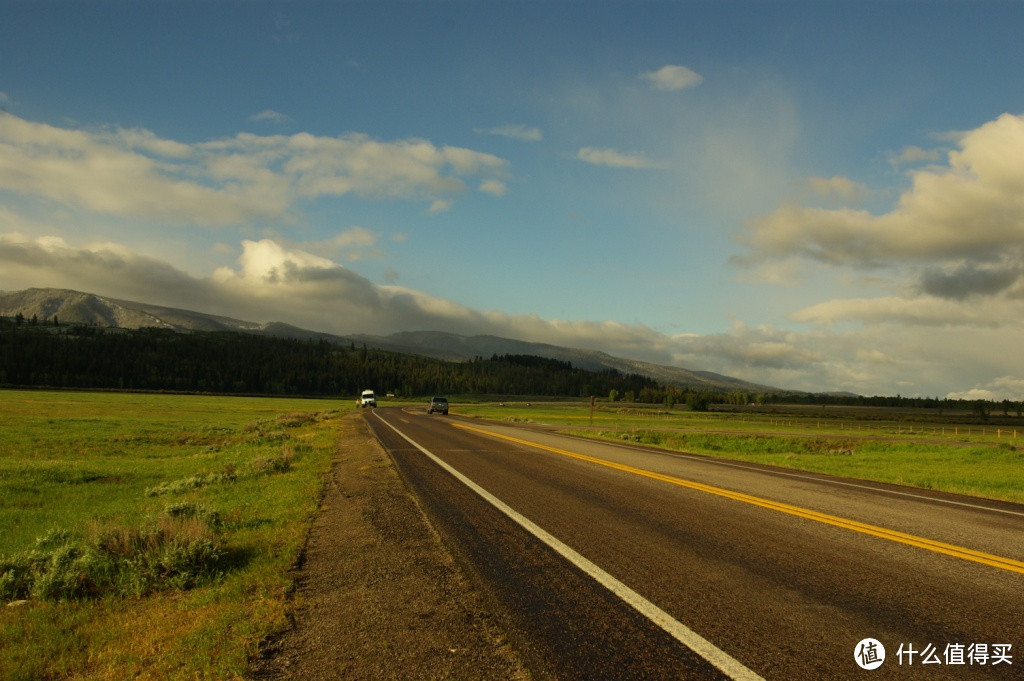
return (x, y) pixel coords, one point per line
(151, 535)
(918, 449)
(154, 535)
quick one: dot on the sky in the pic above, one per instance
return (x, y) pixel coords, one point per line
(820, 196)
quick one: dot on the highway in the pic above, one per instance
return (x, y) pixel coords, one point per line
(604, 561)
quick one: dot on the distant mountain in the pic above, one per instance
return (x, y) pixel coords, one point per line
(86, 308)
(75, 307)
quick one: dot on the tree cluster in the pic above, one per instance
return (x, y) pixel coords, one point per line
(76, 356)
(979, 407)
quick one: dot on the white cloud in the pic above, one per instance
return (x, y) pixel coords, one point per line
(439, 206)
(947, 258)
(266, 262)
(954, 241)
(270, 116)
(972, 394)
(880, 360)
(102, 173)
(744, 347)
(146, 142)
(134, 173)
(1001, 388)
(916, 311)
(616, 159)
(273, 281)
(671, 78)
(49, 261)
(523, 133)
(972, 208)
(493, 187)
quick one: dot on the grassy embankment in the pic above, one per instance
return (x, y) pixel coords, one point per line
(930, 451)
(151, 536)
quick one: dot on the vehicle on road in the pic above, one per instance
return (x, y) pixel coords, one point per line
(367, 399)
(438, 404)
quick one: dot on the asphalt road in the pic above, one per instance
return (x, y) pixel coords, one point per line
(606, 561)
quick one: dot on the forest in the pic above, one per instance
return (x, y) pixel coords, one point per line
(53, 355)
(48, 354)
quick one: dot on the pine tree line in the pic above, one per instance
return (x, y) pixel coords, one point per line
(76, 356)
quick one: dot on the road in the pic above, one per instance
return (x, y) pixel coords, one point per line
(608, 561)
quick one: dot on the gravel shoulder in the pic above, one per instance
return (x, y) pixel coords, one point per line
(378, 595)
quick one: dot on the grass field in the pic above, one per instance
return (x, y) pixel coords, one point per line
(919, 449)
(151, 536)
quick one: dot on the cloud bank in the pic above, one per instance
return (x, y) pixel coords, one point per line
(950, 252)
(955, 235)
(273, 281)
(239, 180)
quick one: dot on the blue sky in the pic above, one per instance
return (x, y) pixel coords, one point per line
(813, 195)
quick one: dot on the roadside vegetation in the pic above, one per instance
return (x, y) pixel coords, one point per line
(152, 535)
(952, 452)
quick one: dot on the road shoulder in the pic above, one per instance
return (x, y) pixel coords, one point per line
(378, 596)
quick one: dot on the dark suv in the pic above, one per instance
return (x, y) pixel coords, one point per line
(438, 404)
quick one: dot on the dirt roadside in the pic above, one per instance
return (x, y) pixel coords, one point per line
(378, 595)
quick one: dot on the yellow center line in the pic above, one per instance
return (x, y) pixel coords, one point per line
(864, 528)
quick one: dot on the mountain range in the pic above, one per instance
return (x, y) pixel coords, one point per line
(76, 307)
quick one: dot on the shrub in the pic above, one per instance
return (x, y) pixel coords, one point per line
(184, 564)
(297, 419)
(15, 577)
(189, 484)
(184, 510)
(176, 553)
(274, 464)
(53, 538)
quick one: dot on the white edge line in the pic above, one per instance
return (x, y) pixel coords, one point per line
(689, 638)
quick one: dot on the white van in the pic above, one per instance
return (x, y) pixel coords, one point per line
(367, 399)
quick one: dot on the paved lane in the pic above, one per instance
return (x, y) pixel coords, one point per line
(780, 593)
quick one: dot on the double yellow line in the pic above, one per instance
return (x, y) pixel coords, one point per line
(864, 528)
